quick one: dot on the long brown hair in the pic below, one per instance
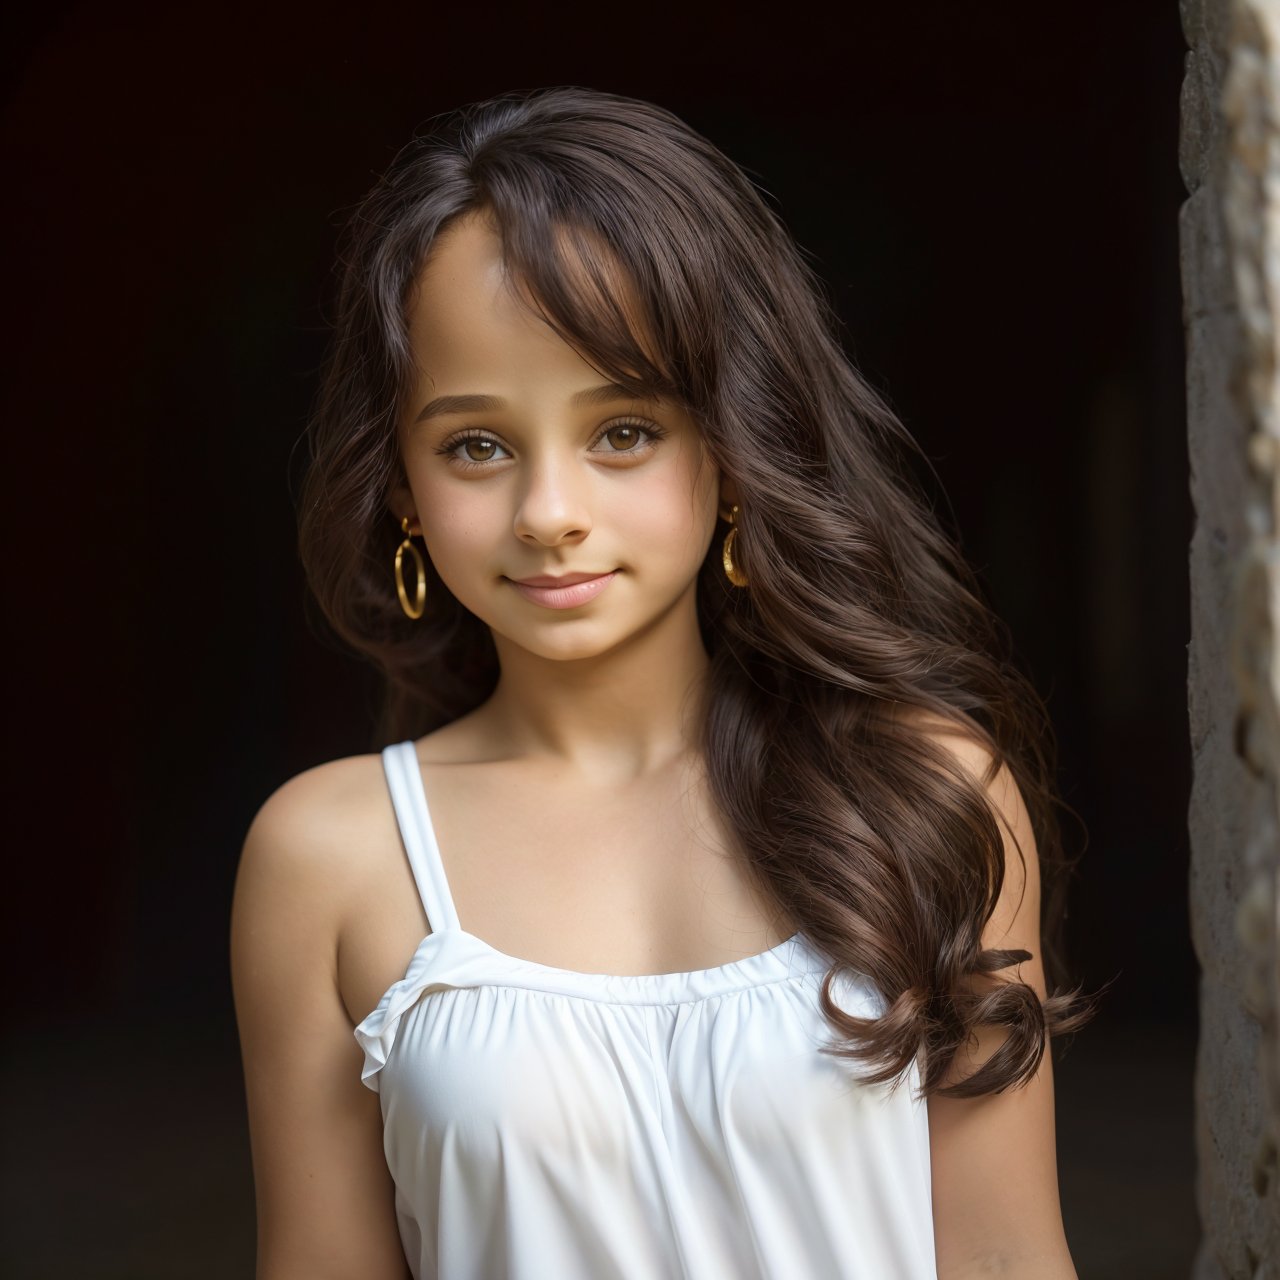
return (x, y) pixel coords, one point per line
(860, 613)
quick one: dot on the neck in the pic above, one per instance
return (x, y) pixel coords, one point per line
(615, 715)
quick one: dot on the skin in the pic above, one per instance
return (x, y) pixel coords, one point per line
(994, 1163)
(544, 798)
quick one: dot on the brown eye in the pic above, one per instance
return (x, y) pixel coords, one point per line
(623, 438)
(472, 451)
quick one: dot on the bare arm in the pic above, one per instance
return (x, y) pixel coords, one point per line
(325, 1199)
(996, 1207)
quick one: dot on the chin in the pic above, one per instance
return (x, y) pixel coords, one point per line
(574, 644)
(577, 650)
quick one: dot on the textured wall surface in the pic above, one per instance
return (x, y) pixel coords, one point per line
(1230, 248)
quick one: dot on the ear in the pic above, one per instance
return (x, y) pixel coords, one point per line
(728, 496)
(400, 501)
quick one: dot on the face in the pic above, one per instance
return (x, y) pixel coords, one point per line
(523, 463)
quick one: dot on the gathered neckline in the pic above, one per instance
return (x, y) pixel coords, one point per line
(469, 962)
(728, 969)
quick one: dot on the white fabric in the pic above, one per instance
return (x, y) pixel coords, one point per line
(541, 1122)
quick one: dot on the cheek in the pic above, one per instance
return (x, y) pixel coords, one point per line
(457, 523)
(672, 516)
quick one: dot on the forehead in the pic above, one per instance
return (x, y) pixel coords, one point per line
(468, 307)
(463, 291)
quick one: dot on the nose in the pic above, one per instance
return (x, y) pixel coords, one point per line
(554, 504)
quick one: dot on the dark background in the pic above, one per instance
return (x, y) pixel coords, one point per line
(991, 193)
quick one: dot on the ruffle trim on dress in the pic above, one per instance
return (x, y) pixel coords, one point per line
(455, 958)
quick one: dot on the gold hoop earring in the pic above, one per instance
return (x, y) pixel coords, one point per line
(731, 570)
(414, 610)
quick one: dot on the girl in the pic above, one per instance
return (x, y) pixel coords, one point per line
(690, 924)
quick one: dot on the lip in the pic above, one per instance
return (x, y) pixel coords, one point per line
(566, 592)
(550, 580)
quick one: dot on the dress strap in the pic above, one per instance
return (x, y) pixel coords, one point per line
(409, 798)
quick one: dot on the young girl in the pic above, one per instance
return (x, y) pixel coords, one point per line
(714, 812)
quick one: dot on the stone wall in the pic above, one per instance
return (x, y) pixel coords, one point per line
(1230, 249)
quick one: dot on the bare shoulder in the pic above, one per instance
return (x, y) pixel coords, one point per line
(313, 846)
(1017, 911)
(959, 737)
(319, 825)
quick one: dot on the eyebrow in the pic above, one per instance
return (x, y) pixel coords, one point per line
(606, 393)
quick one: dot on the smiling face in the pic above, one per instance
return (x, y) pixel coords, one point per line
(523, 462)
